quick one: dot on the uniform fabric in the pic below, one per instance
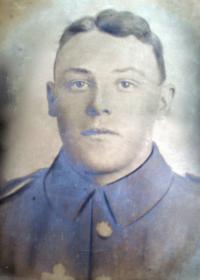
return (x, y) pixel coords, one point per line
(49, 228)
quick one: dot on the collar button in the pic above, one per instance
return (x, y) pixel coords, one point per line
(104, 229)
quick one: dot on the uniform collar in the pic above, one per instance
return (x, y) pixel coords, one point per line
(129, 198)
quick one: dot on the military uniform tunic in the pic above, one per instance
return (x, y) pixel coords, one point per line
(59, 225)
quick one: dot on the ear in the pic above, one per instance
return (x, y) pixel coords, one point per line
(166, 98)
(51, 99)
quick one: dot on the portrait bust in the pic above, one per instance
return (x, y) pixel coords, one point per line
(109, 206)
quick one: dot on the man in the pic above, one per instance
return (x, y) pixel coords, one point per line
(109, 207)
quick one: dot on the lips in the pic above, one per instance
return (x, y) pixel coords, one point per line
(98, 131)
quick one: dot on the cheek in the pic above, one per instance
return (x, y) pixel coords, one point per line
(70, 122)
(70, 109)
(139, 116)
(143, 105)
(73, 97)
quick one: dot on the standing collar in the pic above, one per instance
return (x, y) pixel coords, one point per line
(129, 198)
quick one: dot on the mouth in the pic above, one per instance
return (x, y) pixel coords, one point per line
(98, 131)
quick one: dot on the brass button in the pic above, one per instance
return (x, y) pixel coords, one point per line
(59, 273)
(103, 229)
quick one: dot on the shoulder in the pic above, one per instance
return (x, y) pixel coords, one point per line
(16, 186)
(181, 207)
(193, 178)
(188, 183)
(185, 194)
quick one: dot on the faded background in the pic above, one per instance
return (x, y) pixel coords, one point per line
(29, 34)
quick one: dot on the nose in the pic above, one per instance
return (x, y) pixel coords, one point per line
(92, 111)
(98, 105)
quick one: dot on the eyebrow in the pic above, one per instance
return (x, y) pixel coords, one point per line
(77, 70)
(127, 69)
(85, 71)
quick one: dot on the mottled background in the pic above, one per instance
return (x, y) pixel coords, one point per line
(29, 34)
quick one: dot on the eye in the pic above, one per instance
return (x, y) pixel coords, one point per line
(78, 85)
(127, 84)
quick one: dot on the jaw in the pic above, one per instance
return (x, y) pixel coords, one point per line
(107, 161)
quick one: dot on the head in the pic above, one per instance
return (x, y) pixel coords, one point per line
(108, 89)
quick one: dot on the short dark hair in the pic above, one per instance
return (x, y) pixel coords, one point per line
(119, 24)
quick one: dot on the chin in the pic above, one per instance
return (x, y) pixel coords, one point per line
(100, 164)
(99, 167)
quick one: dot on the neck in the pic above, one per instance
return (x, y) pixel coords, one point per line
(107, 178)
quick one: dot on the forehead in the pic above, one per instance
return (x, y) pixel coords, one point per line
(101, 53)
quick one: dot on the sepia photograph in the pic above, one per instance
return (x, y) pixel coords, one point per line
(99, 140)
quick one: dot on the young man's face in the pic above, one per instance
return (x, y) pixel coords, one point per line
(106, 99)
